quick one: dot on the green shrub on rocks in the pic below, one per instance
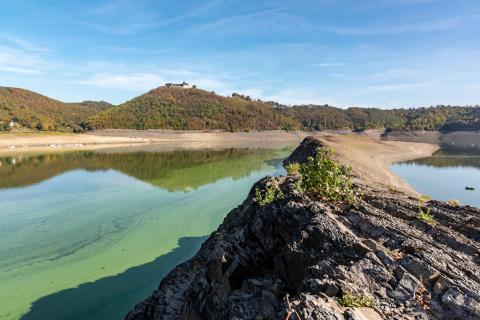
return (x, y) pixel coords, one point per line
(293, 168)
(266, 197)
(424, 215)
(325, 178)
(424, 198)
(353, 300)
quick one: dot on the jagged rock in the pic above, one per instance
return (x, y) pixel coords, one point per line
(297, 256)
(308, 148)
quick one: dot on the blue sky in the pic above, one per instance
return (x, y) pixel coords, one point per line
(381, 53)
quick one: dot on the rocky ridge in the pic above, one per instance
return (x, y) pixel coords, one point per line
(301, 258)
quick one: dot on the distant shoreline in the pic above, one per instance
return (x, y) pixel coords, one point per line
(370, 152)
(371, 158)
(14, 143)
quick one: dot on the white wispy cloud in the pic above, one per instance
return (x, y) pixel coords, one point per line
(134, 50)
(397, 3)
(131, 82)
(327, 64)
(397, 73)
(144, 81)
(403, 86)
(390, 28)
(133, 17)
(18, 70)
(24, 44)
(270, 19)
(14, 60)
(22, 57)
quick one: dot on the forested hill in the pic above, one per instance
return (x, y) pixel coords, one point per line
(26, 109)
(196, 109)
(441, 118)
(192, 109)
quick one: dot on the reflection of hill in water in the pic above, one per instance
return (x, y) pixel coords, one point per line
(452, 150)
(451, 157)
(174, 170)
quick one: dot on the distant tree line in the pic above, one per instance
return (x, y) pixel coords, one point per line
(440, 118)
(196, 109)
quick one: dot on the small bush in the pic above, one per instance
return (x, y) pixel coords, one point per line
(297, 186)
(423, 215)
(454, 203)
(293, 168)
(323, 177)
(268, 196)
(355, 300)
(424, 198)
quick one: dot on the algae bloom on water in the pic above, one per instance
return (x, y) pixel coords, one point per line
(86, 235)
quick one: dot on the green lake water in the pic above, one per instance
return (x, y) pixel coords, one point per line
(445, 174)
(86, 235)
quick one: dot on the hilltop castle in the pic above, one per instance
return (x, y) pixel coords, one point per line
(178, 85)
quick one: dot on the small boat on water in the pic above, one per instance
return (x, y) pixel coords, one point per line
(469, 188)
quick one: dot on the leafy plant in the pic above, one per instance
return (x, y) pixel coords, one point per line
(268, 196)
(293, 168)
(424, 215)
(297, 186)
(323, 177)
(424, 198)
(350, 299)
(454, 203)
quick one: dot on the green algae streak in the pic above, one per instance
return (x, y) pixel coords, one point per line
(85, 235)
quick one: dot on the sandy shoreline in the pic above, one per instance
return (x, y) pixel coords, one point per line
(369, 156)
(12, 143)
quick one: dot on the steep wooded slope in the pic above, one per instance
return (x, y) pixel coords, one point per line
(35, 111)
(192, 109)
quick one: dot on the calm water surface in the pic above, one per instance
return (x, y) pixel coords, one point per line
(86, 235)
(445, 175)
